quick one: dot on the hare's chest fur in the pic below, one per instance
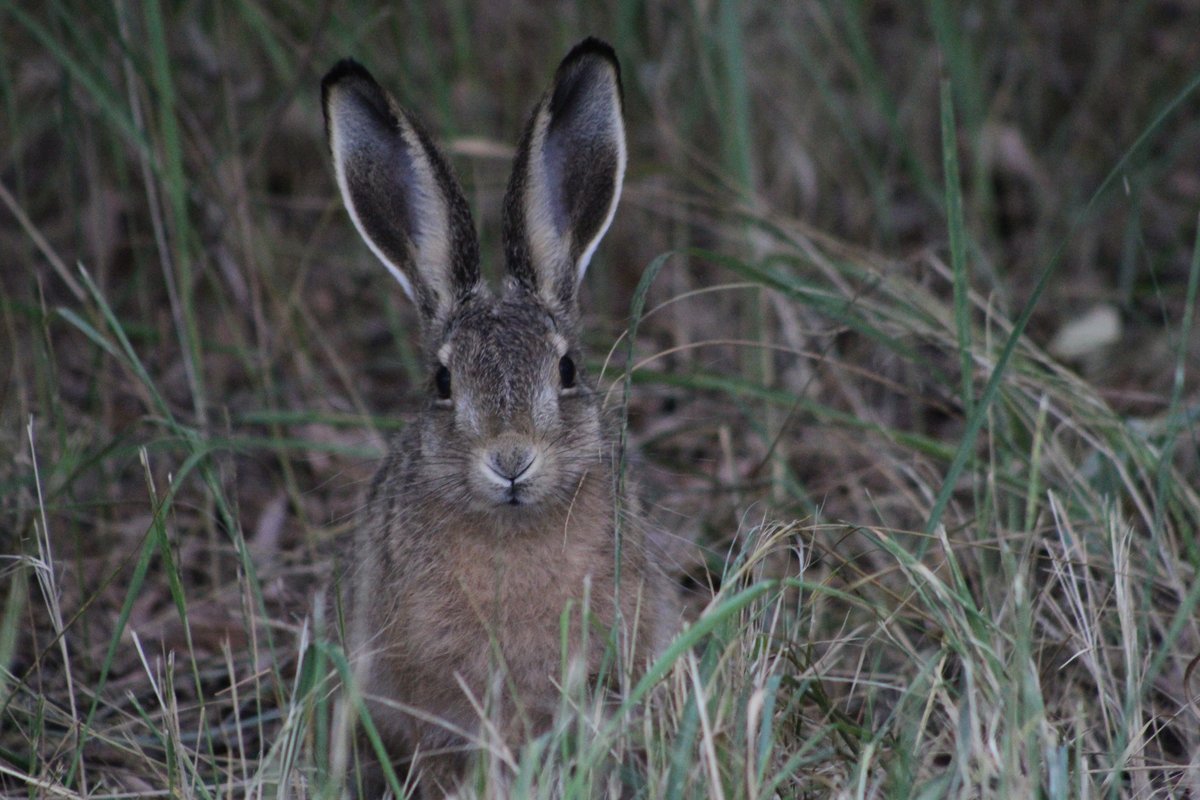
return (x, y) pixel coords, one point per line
(513, 593)
(474, 601)
(464, 620)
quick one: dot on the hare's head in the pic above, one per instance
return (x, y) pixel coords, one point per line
(512, 420)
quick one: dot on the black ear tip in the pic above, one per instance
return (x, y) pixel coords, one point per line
(345, 69)
(590, 48)
(583, 59)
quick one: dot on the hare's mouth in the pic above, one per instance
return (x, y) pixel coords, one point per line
(517, 494)
(510, 475)
(516, 499)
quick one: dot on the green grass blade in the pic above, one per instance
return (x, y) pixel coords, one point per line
(958, 246)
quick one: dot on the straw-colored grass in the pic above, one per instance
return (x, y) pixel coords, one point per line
(928, 549)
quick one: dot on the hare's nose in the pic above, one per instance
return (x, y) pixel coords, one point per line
(510, 463)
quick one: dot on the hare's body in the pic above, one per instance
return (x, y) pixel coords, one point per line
(467, 603)
(495, 513)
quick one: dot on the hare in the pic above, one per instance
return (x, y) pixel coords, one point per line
(497, 509)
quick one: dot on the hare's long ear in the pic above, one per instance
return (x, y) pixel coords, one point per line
(400, 192)
(567, 177)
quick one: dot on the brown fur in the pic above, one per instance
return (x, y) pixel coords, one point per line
(479, 602)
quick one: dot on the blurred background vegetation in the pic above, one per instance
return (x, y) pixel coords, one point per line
(928, 292)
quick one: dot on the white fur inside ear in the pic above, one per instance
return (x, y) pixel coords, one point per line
(337, 144)
(547, 245)
(550, 248)
(618, 125)
(430, 241)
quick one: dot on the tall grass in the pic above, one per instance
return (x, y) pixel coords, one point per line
(924, 555)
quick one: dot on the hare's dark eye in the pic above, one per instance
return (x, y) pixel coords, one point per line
(441, 380)
(566, 372)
